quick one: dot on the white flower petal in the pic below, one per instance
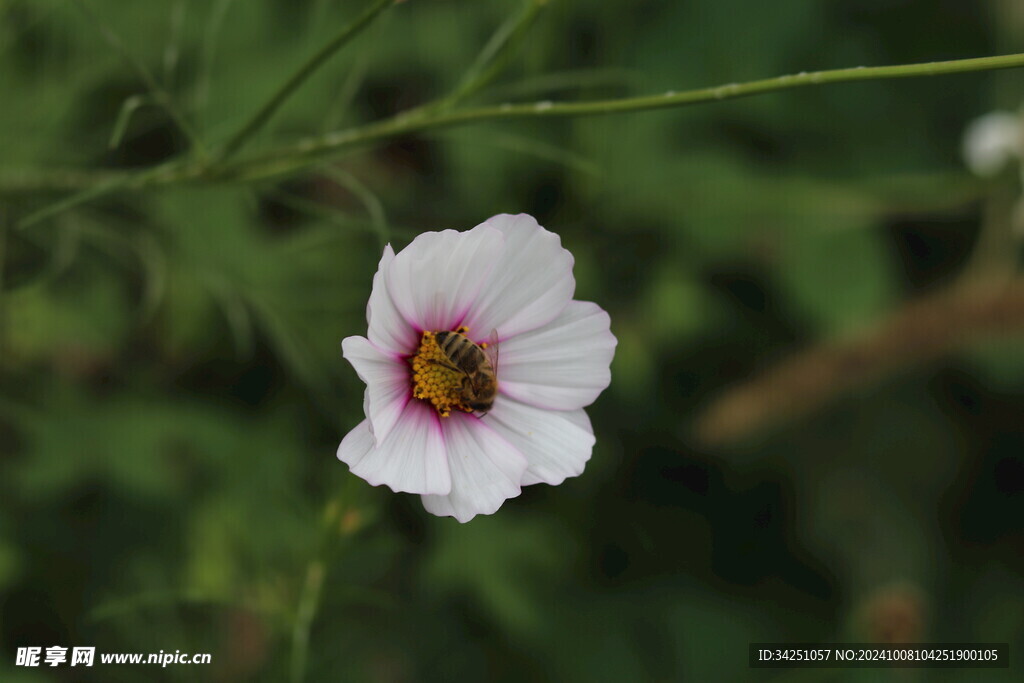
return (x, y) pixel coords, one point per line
(563, 365)
(529, 286)
(510, 275)
(486, 470)
(993, 140)
(556, 444)
(434, 280)
(387, 381)
(387, 328)
(411, 459)
(356, 444)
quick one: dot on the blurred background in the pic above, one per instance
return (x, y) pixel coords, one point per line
(813, 432)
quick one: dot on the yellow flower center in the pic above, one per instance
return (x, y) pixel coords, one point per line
(435, 378)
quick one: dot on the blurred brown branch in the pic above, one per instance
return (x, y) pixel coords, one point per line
(921, 331)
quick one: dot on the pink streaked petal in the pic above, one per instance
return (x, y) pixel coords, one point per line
(564, 365)
(411, 459)
(387, 328)
(387, 380)
(529, 286)
(556, 444)
(434, 280)
(486, 470)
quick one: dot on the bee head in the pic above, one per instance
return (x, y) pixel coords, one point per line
(481, 406)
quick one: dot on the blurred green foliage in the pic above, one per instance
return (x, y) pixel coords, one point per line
(172, 392)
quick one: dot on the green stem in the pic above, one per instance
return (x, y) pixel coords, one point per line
(218, 14)
(265, 112)
(166, 174)
(374, 206)
(309, 604)
(159, 95)
(292, 158)
(496, 54)
(337, 528)
(318, 148)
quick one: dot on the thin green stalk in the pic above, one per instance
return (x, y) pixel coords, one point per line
(172, 51)
(309, 604)
(373, 205)
(318, 148)
(265, 112)
(124, 116)
(289, 159)
(493, 59)
(343, 517)
(84, 196)
(159, 95)
(218, 13)
(38, 180)
(342, 102)
(166, 174)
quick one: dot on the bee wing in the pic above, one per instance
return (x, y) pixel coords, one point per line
(492, 350)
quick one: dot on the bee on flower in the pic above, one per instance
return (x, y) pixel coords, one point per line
(478, 364)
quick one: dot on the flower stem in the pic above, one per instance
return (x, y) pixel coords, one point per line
(290, 159)
(309, 604)
(102, 184)
(374, 206)
(494, 57)
(404, 123)
(343, 517)
(265, 112)
(159, 94)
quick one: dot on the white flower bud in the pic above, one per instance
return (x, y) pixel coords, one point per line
(992, 141)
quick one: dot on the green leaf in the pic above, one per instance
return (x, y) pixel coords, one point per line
(500, 561)
(837, 272)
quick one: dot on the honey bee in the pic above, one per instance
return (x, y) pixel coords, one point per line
(477, 363)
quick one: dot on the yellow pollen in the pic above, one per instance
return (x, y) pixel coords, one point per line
(434, 378)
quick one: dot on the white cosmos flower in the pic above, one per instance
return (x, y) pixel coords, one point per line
(992, 141)
(507, 280)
